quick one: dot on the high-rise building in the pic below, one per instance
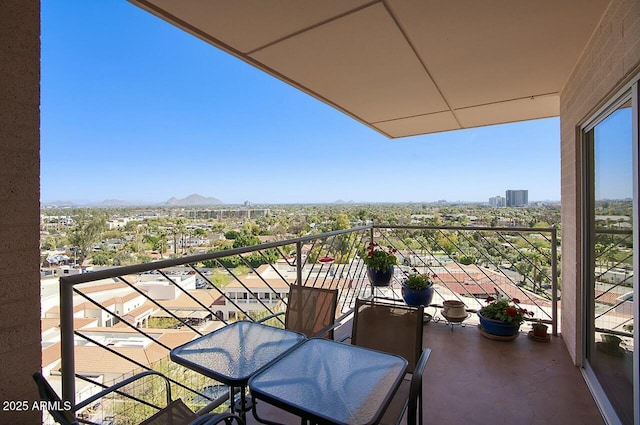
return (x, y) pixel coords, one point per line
(517, 198)
(497, 201)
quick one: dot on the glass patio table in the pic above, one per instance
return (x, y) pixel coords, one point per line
(328, 382)
(234, 353)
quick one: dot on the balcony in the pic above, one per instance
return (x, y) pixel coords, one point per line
(116, 322)
(473, 380)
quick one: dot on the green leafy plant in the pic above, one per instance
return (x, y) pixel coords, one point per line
(539, 326)
(418, 280)
(378, 257)
(505, 310)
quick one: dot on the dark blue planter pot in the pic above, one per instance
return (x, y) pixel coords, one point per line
(417, 297)
(498, 327)
(378, 278)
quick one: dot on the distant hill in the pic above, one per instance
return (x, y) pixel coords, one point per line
(112, 203)
(59, 204)
(193, 200)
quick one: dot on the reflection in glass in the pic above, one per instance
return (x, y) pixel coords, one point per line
(610, 351)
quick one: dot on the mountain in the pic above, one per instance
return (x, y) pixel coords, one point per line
(193, 200)
(59, 204)
(112, 203)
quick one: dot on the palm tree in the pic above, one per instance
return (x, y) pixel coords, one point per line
(162, 235)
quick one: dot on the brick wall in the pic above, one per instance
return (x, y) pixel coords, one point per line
(19, 205)
(611, 58)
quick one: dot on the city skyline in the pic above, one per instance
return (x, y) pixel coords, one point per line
(214, 203)
(136, 110)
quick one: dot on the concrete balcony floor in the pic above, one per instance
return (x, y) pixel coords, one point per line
(474, 380)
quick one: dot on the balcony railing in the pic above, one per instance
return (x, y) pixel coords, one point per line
(613, 276)
(156, 306)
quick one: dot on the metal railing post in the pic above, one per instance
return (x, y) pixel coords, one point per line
(554, 283)
(67, 343)
(299, 263)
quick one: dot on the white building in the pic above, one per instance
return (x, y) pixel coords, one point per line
(497, 201)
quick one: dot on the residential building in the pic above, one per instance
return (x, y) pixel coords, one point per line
(517, 198)
(117, 222)
(270, 283)
(412, 68)
(497, 201)
(227, 213)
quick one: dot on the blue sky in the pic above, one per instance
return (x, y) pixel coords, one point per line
(135, 109)
(613, 156)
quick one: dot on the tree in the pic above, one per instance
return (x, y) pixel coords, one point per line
(467, 259)
(144, 258)
(220, 279)
(231, 234)
(113, 234)
(132, 225)
(244, 239)
(154, 241)
(101, 259)
(531, 267)
(251, 228)
(340, 222)
(176, 230)
(49, 244)
(448, 242)
(86, 233)
(121, 259)
(199, 232)
(162, 235)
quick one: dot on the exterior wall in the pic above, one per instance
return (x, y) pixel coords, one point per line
(610, 59)
(20, 214)
(131, 304)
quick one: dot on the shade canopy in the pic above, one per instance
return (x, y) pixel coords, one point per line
(405, 67)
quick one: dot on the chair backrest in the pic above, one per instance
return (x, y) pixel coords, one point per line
(392, 328)
(175, 413)
(48, 394)
(310, 310)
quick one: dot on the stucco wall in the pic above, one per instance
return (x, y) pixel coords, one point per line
(20, 207)
(611, 58)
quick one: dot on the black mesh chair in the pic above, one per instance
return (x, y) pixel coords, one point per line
(175, 412)
(310, 310)
(396, 329)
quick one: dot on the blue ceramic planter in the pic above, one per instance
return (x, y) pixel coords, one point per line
(416, 297)
(498, 327)
(378, 278)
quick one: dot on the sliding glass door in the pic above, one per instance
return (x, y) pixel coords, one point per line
(611, 253)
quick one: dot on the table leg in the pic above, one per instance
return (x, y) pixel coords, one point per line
(242, 406)
(232, 398)
(243, 403)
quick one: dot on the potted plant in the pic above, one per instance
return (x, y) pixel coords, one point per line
(417, 288)
(379, 262)
(454, 310)
(502, 317)
(540, 330)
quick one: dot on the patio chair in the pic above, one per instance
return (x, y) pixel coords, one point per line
(174, 413)
(310, 310)
(396, 329)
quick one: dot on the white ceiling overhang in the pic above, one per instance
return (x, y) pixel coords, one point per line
(405, 67)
